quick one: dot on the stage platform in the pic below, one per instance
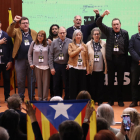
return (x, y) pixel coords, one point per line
(117, 110)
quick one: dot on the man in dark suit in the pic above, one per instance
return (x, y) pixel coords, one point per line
(116, 55)
(85, 29)
(6, 48)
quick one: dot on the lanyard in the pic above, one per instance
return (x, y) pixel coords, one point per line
(61, 44)
(40, 50)
(117, 37)
(96, 47)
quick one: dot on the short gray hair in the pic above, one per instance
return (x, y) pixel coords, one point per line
(76, 16)
(107, 112)
(95, 29)
(62, 28)
(74, 35)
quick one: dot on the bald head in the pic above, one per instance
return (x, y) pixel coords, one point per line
(62, 33)
(77, 21)
(3, 134)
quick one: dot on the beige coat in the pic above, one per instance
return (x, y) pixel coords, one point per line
(17, 35)
(91, 55)
(74, 51)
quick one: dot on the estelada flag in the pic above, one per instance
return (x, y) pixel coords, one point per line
(52, 113)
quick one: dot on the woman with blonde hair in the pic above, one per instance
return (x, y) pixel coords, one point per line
(97, 65)
(78, 64)
(38, 59)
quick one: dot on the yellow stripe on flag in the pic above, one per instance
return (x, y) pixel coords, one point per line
(10, 17)
(30, 134)
(93, 128)
(78, 119)
(45, 127)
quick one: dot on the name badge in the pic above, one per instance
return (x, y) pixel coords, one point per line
(41, 59)
(96, 58)
(1, 50)
(80, 62)
(61, 56)
(26, 42)
(116, 49)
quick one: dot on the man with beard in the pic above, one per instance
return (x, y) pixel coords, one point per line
(53, 32)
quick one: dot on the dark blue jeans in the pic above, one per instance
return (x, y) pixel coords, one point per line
(135, 74)
(60, 74)
(6, 78)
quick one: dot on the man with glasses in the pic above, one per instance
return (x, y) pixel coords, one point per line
(58, 58)
(85, 29)
(23, 36)
(134, 50)
(116, 55)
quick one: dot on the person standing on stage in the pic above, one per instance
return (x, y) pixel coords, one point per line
(97, 65)
(85, 29)
(6, 48)
(116, 55)
(134, 50)
(58, 59)
(23, 36)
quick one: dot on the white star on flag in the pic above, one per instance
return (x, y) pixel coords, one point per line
(61, 109)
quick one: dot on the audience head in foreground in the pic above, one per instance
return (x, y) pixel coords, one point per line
(70, 130)
(106, 111)
(105, 135)
(3, 134)
(83, 95)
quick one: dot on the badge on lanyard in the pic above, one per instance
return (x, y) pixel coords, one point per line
(41, 59)
(80, 62)
(116, 48)
(61, 56)
(26, 42)
(96, 58)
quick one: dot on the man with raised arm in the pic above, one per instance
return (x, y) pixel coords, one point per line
(23, 36)
(85, 29)
(116, 55)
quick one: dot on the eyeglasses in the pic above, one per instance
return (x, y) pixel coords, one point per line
(62, 33)
(40, 35)
(96, 34)
(25, 23)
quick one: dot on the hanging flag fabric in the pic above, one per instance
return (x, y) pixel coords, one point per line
(52, 113)
(12, 71)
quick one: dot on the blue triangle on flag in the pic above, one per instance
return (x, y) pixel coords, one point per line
(75, 107)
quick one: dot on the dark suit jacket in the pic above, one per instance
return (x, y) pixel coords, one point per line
(109, 32)
(7, 48)
(85, 29)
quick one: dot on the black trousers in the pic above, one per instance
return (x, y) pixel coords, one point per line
(6, 78)
(135, 74)
(97, 86)
(61, 74)
(117, 64)
(77, 82)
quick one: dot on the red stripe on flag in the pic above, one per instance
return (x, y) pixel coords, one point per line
(83, 112)
(52, 130)
(38, 117)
